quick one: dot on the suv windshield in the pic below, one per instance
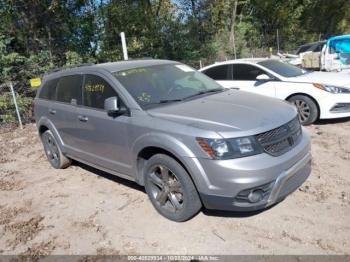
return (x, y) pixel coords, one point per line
(282, 69)
(159, 84)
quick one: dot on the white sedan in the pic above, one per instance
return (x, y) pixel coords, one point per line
(317, 95)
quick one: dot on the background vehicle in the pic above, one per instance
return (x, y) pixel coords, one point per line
(330, 55)
(310, 47)
(155, 122)
(317, 95)
(335, 55)
(307, 56)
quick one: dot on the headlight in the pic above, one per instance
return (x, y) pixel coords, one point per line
(229, 148)
(332, 89)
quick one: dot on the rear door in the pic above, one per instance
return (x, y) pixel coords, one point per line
(68, 96)
(222, 74)
(103, 139)
(244, 76)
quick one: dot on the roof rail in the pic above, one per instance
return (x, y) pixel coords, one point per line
(68, 67)
(141, 58)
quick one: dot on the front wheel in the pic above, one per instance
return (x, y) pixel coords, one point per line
(171, 189)
(307, 109)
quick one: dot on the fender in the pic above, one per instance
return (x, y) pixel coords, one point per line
(44, 121)
(163, 141)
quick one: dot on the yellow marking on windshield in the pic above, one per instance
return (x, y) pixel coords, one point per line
(95, 88)
(144, 97)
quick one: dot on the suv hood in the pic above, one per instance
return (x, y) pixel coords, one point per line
(230, 113)
(329, 78)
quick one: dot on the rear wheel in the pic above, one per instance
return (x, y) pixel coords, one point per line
(307, 109)
(170, 188)
(53, 152)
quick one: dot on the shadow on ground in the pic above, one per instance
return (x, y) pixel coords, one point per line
(236, 214)
(133, 185)
(109, 176)
(332, 121)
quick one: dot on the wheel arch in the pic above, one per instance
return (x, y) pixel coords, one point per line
(147, 152)
(150, 144)
(45, 124)
(42, 128)
(309, 96)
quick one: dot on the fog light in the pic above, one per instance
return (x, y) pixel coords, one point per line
(255, 196)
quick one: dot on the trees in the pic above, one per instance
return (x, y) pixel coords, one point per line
(36, 35)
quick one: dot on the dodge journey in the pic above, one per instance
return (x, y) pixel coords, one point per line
(176, 132)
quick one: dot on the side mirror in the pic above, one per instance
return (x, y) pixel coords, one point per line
(263, 77)
(112, 107)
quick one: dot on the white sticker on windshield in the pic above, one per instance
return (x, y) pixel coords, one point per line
(184, 68)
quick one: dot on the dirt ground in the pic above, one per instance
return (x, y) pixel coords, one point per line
(80, 210)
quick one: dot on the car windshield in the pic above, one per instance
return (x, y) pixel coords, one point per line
(160, 84)
(282, 69)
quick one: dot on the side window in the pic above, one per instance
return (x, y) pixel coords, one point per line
(218, 72)
(246, 72)
(68, 88)
(48, 91)
(96, 90)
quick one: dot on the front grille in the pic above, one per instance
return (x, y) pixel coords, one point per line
(281, 139)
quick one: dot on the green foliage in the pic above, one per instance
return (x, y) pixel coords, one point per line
(37, 36)
(73, 58)
(8, 110)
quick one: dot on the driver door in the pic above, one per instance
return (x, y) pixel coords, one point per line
(244, 76)
(103, 139)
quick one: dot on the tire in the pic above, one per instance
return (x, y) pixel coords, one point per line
(171, 189)
(307, 109)
(53, 152)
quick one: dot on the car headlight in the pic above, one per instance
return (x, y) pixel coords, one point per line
(229, 148)
(332, 89)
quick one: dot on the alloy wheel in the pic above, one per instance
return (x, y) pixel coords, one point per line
(166, 188)
(303, 110)
(51, 149)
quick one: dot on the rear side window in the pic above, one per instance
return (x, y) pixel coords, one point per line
(68, 88)
(246, 72)
(218, 72)
(48, 91)
(96, 90)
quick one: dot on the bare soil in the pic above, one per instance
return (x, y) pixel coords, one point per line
(80, 210)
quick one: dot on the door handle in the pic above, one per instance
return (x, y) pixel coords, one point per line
(83, 118)
(52, 111)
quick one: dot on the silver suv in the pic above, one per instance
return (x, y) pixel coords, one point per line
(175, 131)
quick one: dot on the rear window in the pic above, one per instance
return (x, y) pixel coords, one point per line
(48, 91)
(218, 72)
(68, 88)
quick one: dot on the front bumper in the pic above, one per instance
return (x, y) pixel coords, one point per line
(335, 106)
(284, 185)
(223, 184)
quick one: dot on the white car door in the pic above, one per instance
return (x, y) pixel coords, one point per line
(244, 77)
(222, 74)
(241, 77)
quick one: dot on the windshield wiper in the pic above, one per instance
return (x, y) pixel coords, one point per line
(164, 101)
(216, 90)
